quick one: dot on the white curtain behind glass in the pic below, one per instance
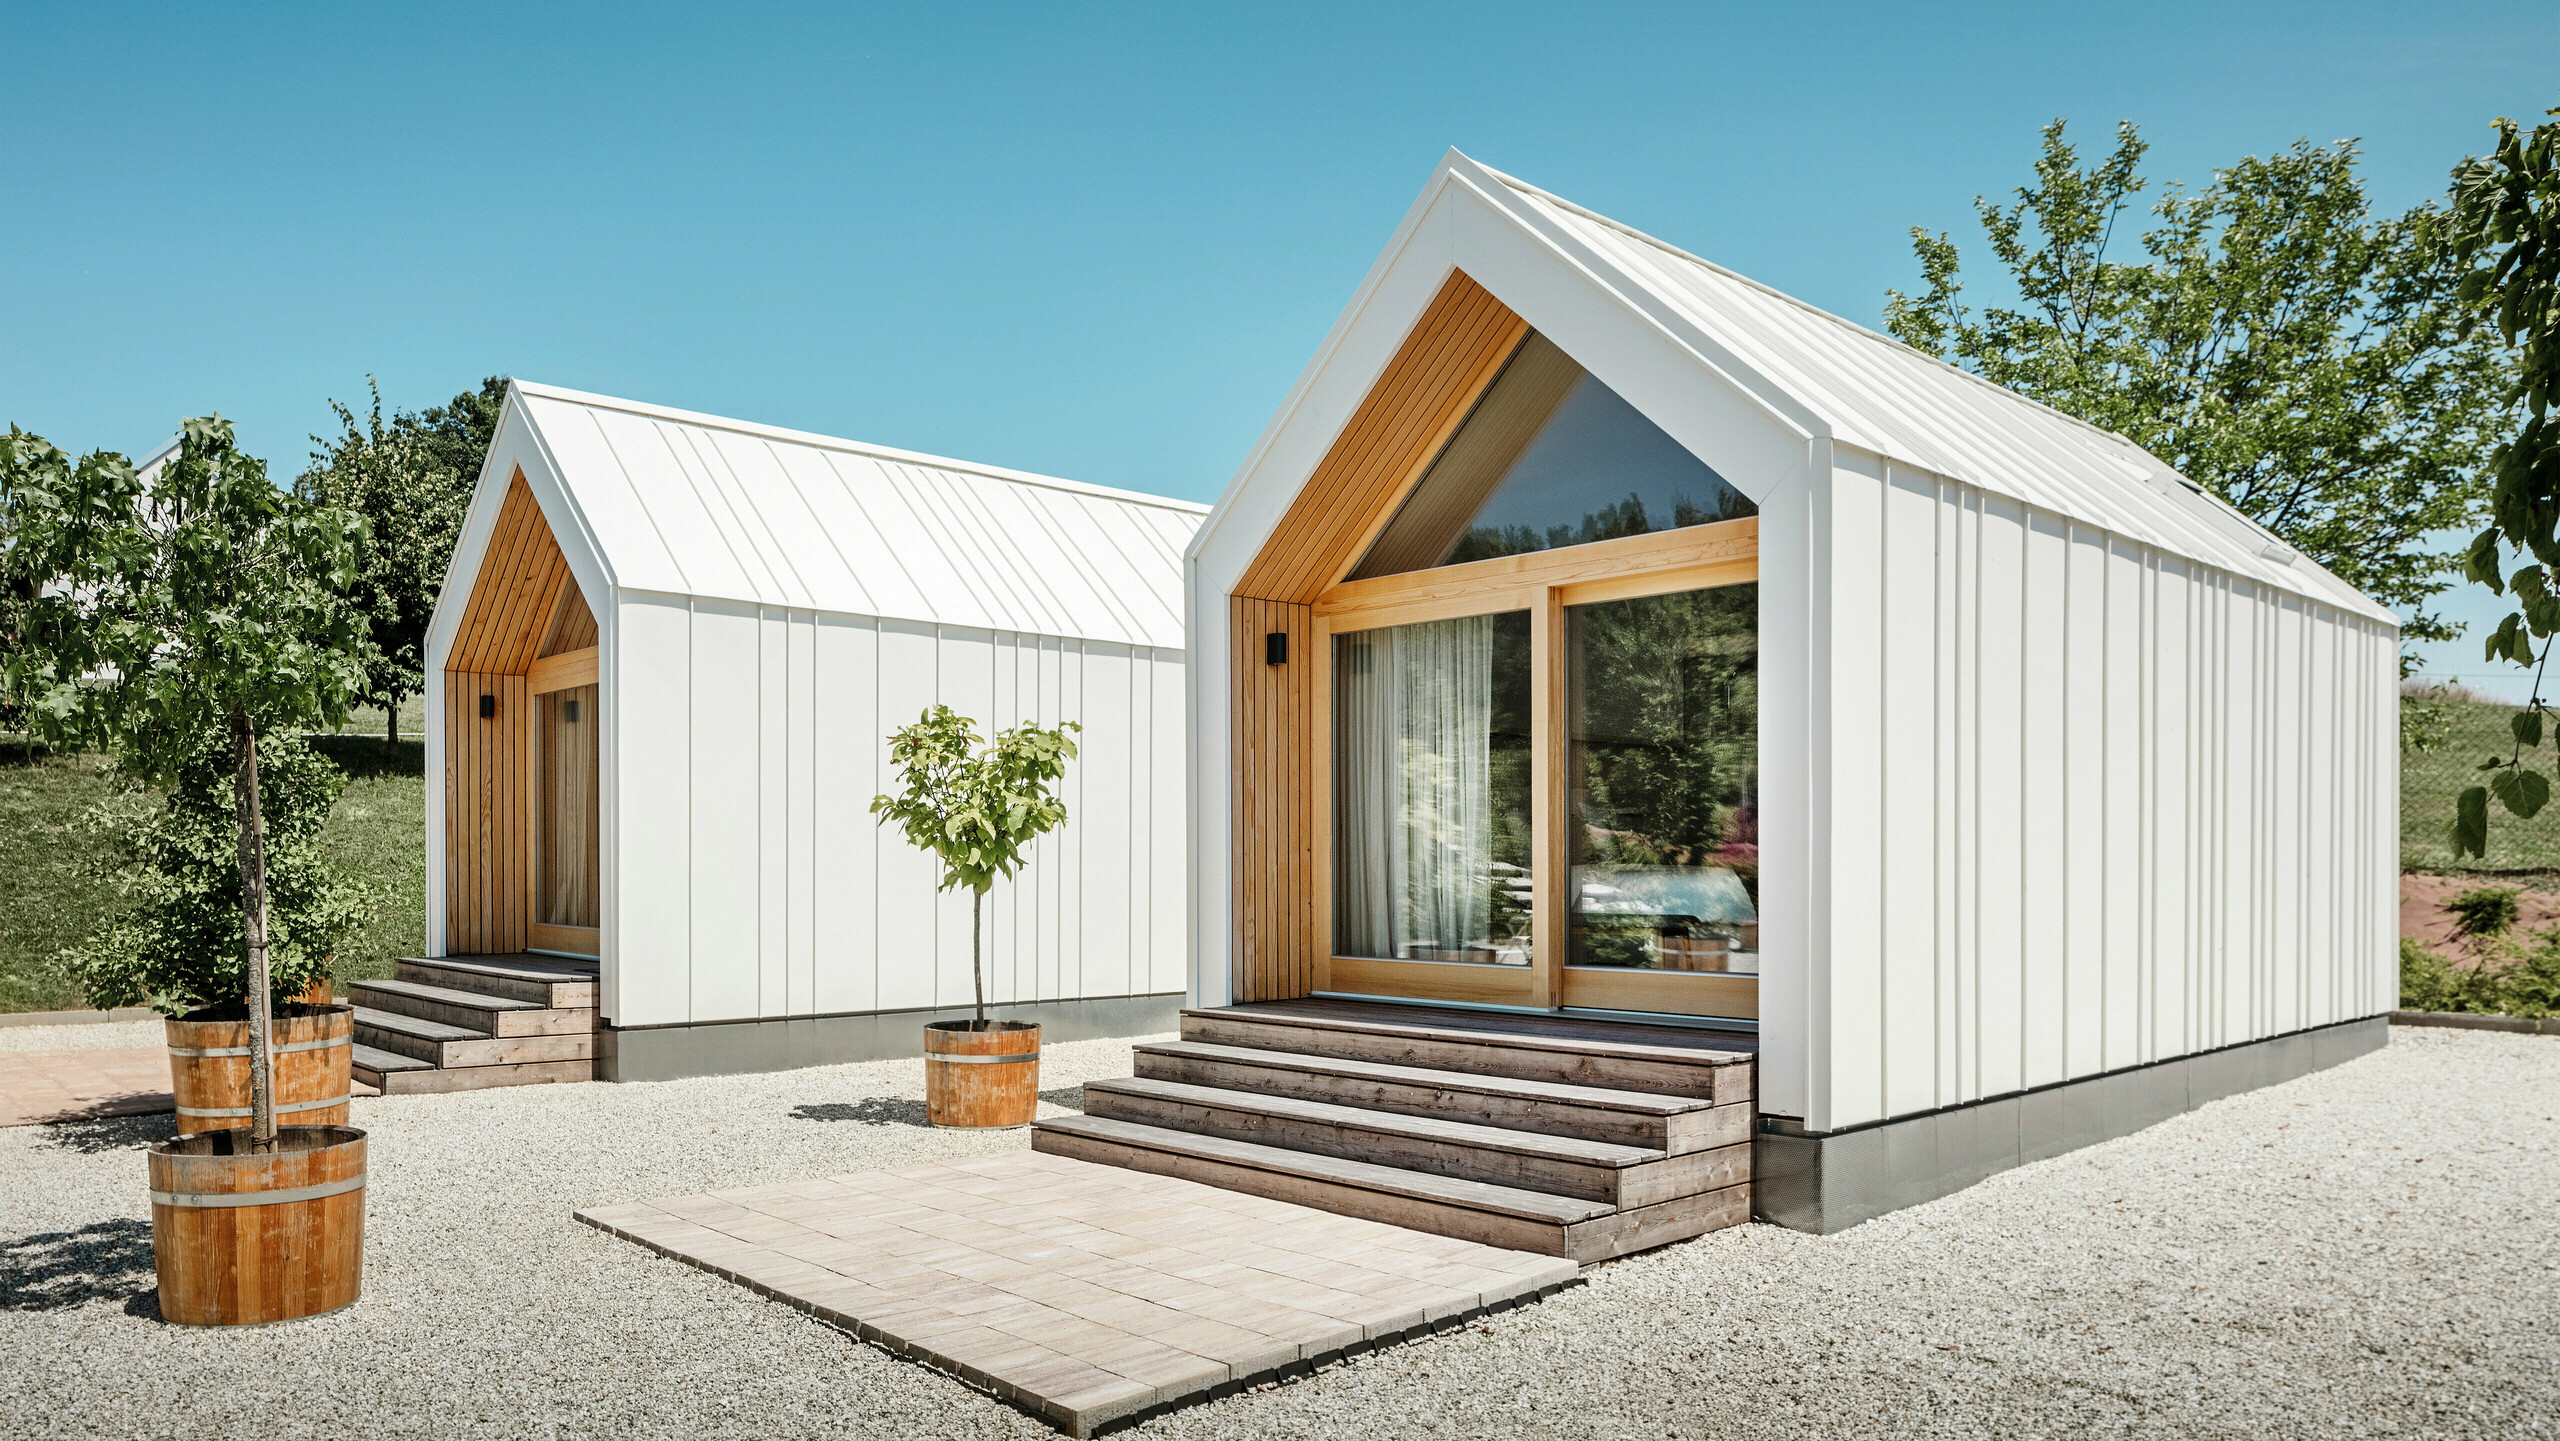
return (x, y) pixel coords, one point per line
(1414, 789)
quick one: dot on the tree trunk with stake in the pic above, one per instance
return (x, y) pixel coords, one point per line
(253, 916)
(977, 980)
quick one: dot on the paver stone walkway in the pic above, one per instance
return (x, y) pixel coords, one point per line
(1082, 1293)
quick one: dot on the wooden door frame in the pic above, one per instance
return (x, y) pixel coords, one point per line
(1543, 583)
(566, 671)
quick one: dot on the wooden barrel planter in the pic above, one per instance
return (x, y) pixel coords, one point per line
(981, 1078)
(209, 1066)
(244, 1238)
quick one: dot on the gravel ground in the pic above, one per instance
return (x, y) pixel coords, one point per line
(2368, 1251)
(84, 1036)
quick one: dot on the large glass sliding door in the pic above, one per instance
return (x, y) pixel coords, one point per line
(1662, 814)
(1433, 855)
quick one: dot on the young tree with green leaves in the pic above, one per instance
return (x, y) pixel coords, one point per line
(179, 942)
(2304, 360)
(208, 601)
(974, 809)
(2505, 228)
(411, 478)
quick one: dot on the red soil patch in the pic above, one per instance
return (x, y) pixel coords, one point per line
(2424, 919)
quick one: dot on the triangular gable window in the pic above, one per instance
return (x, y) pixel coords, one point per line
(1549, 457)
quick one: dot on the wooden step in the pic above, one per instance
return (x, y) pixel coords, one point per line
(493, 1015)
(1716, 1068)
(1583, 1231)
(541, 981)
(1674, 1125)
(1527, 1160)
(377, 1068)
(453, 1046)
(428, 1080)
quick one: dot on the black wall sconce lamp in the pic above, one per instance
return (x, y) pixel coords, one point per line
(488, 707)
(1275, 648)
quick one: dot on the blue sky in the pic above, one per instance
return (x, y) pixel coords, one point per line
(1094, 241)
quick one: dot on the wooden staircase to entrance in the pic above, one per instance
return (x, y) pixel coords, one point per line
(458, 1023)
(1559, 1135)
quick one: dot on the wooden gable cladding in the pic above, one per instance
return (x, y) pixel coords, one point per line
(523, 605)
(1452, 353)
(485, 841)
(1275, 841)
(573, 626)
(515, 596)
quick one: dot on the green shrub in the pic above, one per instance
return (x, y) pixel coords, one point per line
(2531, 986)
(2486, 912)
(179, 942)
(2522, 982)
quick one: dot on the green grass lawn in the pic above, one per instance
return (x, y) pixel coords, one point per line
(2430, 782)
(377, 831)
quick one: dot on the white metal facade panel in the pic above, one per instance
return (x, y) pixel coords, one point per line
(650, 715)
(760, 886)
(2039, 757)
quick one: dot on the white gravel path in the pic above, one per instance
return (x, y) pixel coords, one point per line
(83, 1036)
(2370, 1251)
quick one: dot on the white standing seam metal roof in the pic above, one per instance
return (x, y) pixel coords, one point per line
(1876, 393)
(696, 505)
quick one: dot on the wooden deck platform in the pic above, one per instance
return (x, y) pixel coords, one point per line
(1088, 1295)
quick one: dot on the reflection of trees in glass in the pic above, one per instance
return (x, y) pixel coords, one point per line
(1610, 522)
(1510, 764)
(1665, 740)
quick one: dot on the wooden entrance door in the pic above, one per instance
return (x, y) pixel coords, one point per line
(564, 874)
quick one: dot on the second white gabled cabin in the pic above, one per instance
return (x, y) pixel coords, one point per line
(670, 650)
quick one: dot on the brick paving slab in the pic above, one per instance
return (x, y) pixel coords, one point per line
(1084, 1294)
(39, 1087)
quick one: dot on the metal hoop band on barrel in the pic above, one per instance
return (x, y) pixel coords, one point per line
(319, 1045)
(982, 1060)
(198, 1200)
(337, 1100)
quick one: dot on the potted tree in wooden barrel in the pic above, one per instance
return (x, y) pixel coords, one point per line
(207, 601)
(179, 949)
(975, 810)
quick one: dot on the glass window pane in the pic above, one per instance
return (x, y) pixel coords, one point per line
(1550, 457)
(571, 885)
(1664, 782)
(1431, 791)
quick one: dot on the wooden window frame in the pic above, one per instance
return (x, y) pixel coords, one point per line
(551, 673)
(1542, 583)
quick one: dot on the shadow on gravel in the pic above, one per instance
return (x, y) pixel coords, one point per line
(873, 1111)
(112, 1133)
(52, 1270)
(883, 1111)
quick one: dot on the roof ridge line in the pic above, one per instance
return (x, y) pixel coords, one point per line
(594, 401)
(1810, 308)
